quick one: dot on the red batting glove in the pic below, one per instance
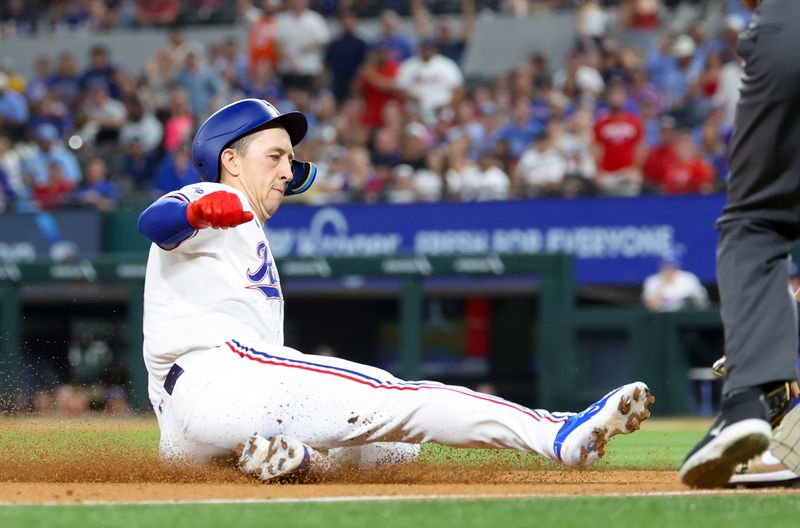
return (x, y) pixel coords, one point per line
(219, 209)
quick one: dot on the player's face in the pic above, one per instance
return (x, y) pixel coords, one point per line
(266, 170)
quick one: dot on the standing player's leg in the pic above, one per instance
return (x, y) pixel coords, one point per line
(758, 226)
(758, 315)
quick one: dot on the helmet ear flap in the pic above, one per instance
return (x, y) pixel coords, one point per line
(303, 175)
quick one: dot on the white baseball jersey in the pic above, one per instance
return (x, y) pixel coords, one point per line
(216, 285)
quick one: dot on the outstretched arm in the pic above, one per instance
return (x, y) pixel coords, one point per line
(171, 220)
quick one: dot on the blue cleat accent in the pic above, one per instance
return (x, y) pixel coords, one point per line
(582, 438)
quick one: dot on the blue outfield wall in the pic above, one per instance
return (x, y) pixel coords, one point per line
(614, 240)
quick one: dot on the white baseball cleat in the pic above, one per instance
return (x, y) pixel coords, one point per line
(273, 457)
(583, 437)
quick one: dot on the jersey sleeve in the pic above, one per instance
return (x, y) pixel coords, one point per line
(166, 225)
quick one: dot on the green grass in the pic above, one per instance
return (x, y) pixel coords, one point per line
(661, 445)
(647, 449)
(694, 512)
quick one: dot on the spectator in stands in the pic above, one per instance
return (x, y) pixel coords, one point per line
(401, 187)
(175, 171)
(344, 56)
(16, 19)
(703, 46)
(712, 148)
(522, 130)
(541, 169)
(386, 148)
(175, 49)
(231, 57)
(142, 125)
(415, 144)
(400, 46)
(179, 125)
(55, 191)
(617, 64)
(199, 82)
(493, 182)
(446, 41)
(363, 184)
(682, 89)
(428, 179)
(51, 109)
(641, 17)
(262, 84)
(157, 12)
(661, 61)
(65, 82)
(590, 24)
(377, 84)
(98, 191)
(138, 165)
(100, 71)
(430, 80)
(105, 115)
(687, 173)
(262, 46)
(36, 87)
(13, 107)
(48, 151)
(466, 123)
(727, 95)
(574, 138)
(643, 91)
(302, 35)
(619, 135)
(331, 183)
(672, 288)
(462, 172)
(584, 77)
(660, 156)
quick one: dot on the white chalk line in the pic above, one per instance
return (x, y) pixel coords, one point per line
(423, 498)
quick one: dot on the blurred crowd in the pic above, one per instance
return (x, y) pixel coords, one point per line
(643, 104)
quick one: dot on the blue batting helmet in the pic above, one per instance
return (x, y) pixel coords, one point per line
(238, 119)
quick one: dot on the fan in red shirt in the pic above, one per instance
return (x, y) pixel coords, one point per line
(688, 173)
(661, 156)
(376, 79)
(618, 136)
(56, 191)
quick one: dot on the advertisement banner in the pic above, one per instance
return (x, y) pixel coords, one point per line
(613, 240)
(60, 235)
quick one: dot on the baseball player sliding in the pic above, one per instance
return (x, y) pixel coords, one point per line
(220, 379)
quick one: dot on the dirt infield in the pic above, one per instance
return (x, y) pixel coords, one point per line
(510, 483)
(48, 461)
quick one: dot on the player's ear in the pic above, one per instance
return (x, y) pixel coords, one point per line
(229, 162)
